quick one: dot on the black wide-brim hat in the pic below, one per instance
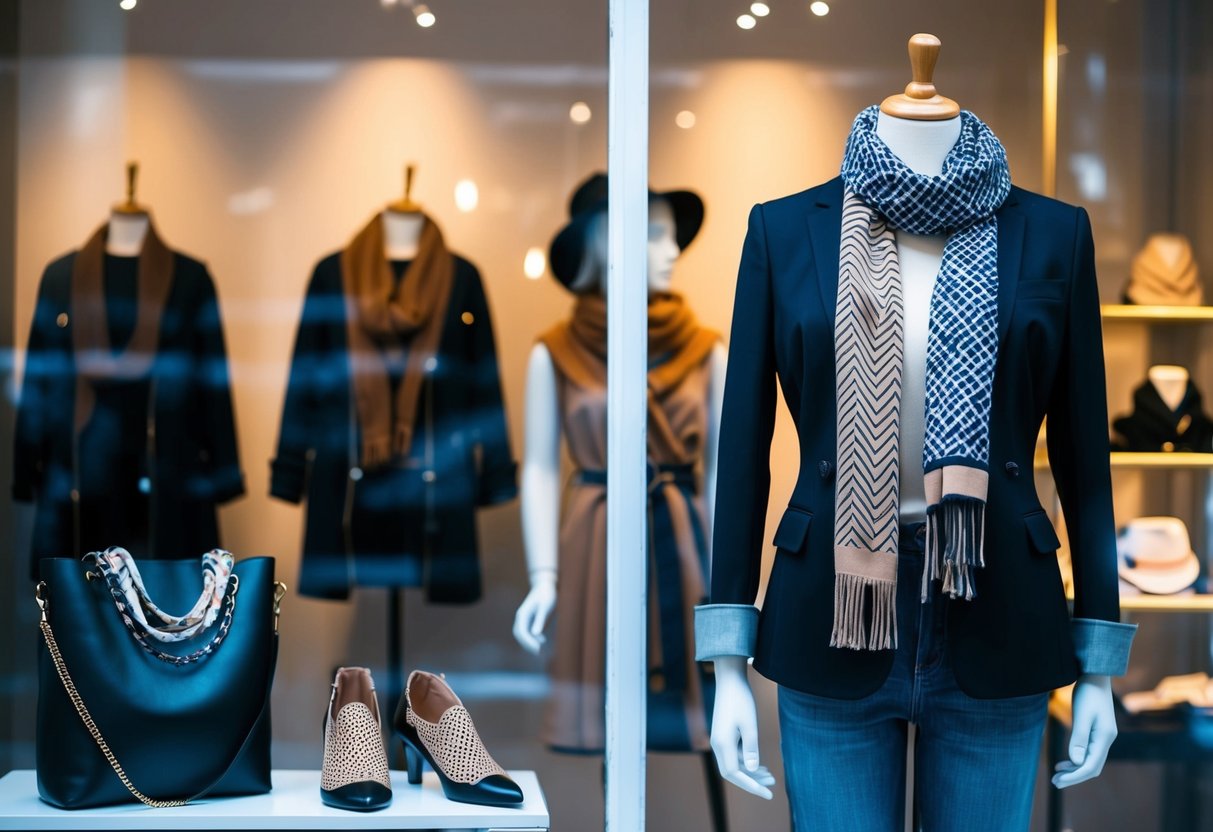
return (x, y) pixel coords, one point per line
(568, 248)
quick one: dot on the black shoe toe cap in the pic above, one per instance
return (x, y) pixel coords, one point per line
(364, 796)
(501, 789)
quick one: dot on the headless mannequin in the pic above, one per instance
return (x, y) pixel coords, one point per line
(541, 461)
(1171, 382)
(923, 146)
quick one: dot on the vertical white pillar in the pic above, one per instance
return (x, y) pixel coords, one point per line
(627, 357)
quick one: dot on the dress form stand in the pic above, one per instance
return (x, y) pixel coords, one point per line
(128, 221)
(920, 127)
(402, 223)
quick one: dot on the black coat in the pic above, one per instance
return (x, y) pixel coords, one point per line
(145, 478)
(1014, 638)
(413, 523)
(1154, 426)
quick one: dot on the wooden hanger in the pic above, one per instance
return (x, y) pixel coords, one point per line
(406, 205)
(130, 206)
(920, 101)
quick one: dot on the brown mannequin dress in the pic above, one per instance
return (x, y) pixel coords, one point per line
(677, 429)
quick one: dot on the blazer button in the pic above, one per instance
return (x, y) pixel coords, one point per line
(1012, 469)
(825, 468)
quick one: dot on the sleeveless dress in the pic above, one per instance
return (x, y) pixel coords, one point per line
(678, 558)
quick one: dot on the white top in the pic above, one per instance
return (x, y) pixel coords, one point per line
(293, 804)
(922, 145)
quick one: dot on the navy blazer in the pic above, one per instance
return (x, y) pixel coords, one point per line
(1016, 637)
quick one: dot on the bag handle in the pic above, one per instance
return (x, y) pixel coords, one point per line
(143, 619)
(90, 725)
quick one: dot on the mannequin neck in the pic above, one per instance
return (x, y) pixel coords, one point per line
(1171, 382)
(922, 145)
(401, 234)
(126, 233)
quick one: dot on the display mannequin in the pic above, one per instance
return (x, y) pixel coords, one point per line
(541, 460)
(953, 661)
(116, 445)
(1171, 382)
(922, 145)
(393, 428)
(564, 538)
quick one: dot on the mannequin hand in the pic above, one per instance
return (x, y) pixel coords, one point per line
(532, 615)
(1092, 733)
(734, 724)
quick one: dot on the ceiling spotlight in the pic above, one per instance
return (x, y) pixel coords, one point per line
(580, 113)
(127, 5)
(425, 17)
(760, 9)
(685, 119)
(819, 8)
(746, 21)
(387, 4)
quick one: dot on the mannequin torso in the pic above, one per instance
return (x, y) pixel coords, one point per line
(922, 145)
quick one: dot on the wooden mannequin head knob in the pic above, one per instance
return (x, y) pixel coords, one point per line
(920, 101)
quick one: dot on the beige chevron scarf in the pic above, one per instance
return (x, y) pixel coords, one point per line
(883, 195)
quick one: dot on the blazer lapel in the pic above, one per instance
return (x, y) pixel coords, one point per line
(825, 232)
(1010, 251)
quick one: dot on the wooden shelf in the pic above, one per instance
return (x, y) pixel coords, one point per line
(1174, 314)
(1159, 459)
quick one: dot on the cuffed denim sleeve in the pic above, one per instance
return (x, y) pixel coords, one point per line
(1102, 646)
(725, 630)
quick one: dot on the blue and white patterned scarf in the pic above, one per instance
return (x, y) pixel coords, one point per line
(883, 195)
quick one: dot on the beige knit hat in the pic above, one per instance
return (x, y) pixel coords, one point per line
(1165, 273)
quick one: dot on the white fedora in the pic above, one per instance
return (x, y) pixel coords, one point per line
(1156, 555)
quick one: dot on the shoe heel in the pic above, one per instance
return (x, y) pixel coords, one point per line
(412, 762)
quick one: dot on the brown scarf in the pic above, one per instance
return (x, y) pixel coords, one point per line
(382, 319)
(677, 345)
(95, 357)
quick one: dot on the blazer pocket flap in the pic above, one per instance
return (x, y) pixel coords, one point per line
(793, 529)
(1041, 532)
(1041, 289)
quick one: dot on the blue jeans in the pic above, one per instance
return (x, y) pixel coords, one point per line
(975, 759)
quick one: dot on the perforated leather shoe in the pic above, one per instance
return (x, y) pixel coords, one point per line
(355, 773)
(435, 727)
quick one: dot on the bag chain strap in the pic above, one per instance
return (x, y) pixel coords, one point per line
(68, 685)
(73, 694)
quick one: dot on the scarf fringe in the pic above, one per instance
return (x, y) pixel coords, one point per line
(850, 623)
(955, 545)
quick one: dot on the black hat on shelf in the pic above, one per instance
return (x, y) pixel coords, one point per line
(568, 248)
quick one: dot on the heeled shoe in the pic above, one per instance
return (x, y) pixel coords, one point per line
(355, 773)
(435, 727)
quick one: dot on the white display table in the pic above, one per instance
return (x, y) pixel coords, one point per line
(293, 804)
